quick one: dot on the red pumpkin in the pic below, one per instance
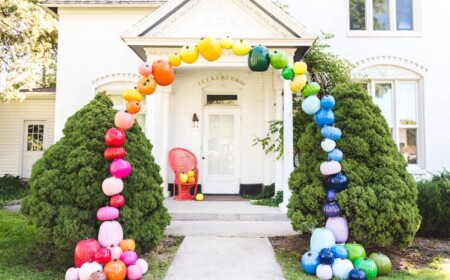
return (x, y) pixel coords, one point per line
(146, 85)
(103, 255)
(114, 152)
(163, 72)
(85, 251)
(133, 106)
(115, 270)
(115, 137)
(117, 201)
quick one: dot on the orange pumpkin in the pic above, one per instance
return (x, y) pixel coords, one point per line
(115, 270)
(163, 72)
(127, 245)
(146, 85)
(133, 106)
(191, 180)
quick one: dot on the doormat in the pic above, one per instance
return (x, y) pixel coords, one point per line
(216, 197)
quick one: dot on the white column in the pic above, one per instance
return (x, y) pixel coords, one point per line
(151, 118)
(279, 163)
(165, 138)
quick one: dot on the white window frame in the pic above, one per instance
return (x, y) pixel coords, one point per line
(392, 32)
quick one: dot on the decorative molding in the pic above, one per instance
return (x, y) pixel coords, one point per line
(403, 66)
(387, 72)
(115, 77)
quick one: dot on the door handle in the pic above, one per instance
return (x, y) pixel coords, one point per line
(203, 157)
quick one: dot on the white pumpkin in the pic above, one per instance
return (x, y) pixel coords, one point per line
(110, 233)
(328, 145)
(116, 252)
(112, 186)
(88, 268)
(330, 167)
(339, 227)
(341, 268)
(72, 273)
(143, 264)
(324, 272)
(321, 238)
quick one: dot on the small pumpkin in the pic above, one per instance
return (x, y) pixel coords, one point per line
(383, 263)
(209, 48)
(107, 213)
(339, 227)
(321, 238)
(134, 272)
(175, 59)
(311, 105)
(112, 186)
(331, 209)
(127, 245)
(115, 137)
(368, 266)
(311, 89)
(337, 182)
(132, 94)
(326, 256)
(146, 85)
(279, 59)
(88, 268)
(123, 120)
(110, 233)
(241, 48)
(324, 117)
(330, 167)
(336, 155)
(114, 152)
(328, 145)
(116, 252)
(98, 275)
(145, 69)
(327, 102)
(339, 251)
(357, 274)
(72, 273)
(133, 106)
(341, 268)
(103, 255)
(189, 54)
(355, 251)
(163, 72)
(226, 42)
(120, 168)
(259, 59)
(129, 257)
(300, 68)
(324, 272)
(287, 73)
(331, 132)
(143, 265)
(298, 83)
(310, 261)
(115, 270)
(331, 195)
(191, 180)
(117, 201)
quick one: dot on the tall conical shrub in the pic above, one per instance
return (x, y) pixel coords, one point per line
(381, 200)
(66, 186)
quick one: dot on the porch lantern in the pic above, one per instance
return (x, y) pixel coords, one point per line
(195, 120)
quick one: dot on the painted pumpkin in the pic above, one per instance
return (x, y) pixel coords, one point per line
(311, 105)
(331, 195)
(339, 227)
(321, 238)
(127, 245)
(115, 137)
(339, 251)
(287, 73)
(112, 186)
(133, 106)
(107, 213)
(324, 117)
(226, 42)
(355, 251)
(310, 261)
(259, 59)
(336, 155)
(241, 47)
(134, 272)
(330, 167)
(145, 69)
(110, 233)
(132, 94)
(72, 273)
(368, 266)
(331, 209)
(279, 59)
(143, 265)
(146, 85)
(328, 145)
(326, 256)
(383, 263)
(85, 251)
(324, 272)
(191, 180)
(123, 120)
(116, 252)
(120, 168)
(209, 48)
(129, 257)
(300, 68)
(310, 89)
(163, 72)
(327, 102)
(117, 201)
(298, 83)
(115, 270)
(357, 274)
(88, 268)
(341, 268)
(338, 182)
(114, 152)
(98, 276)
(189, 54)
(175, 59)
(103, 255)
(331, 132)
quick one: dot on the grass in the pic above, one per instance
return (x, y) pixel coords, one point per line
(292, 270)
(161, 258)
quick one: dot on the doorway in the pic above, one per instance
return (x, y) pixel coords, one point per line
(33, 145)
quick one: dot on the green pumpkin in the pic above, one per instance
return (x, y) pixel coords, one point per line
(355, 251)
(287, 73)
(383, 263)
(259, 59)
(279, 59)
(310, 89)
(368, 266)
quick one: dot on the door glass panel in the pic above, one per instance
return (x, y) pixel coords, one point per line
(221, 145)
(381, 15)
(404, 11)
(357, 14)
(383, 98)
(408, 144)
(407, 103)
(35, 137)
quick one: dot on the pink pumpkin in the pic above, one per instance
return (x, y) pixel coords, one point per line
(339, 227)
(120, 168)
(134, 272)
(72, 273)
(330, 167)
(145, 69)
(110, 233)
(129, 258)
(116, 252)
(115, 137)
(123, 120)
(143, 264)
(107, 213)
(112, 186)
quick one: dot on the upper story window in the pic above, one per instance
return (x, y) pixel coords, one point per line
(382, 15)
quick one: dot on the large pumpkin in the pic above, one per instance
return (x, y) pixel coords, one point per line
(368, 266)
(339, 227)
(321, 238)
(163, 72)
(209, 48)
(146, 85)
(383, 263)
(85, 251)
(110, 233)
(298, 83)
(259, 59)
(189, 54)
(115, 270)
(355, 251)
(341, 268)
(241, 48)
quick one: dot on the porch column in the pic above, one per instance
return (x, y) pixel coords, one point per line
(166, 91)
(279, 163)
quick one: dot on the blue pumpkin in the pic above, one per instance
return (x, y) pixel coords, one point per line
(324, 117)
(339, 251)
(310, 261)
(326, 256)
(336, 155)
(331, 195)
(327, 102)
(357, 274)
(322, 238)
(337, 182)
(311, 105)
(331, 132)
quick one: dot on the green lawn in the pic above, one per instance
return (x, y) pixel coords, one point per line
(292, 270)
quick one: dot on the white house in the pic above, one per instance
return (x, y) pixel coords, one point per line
(101, 43)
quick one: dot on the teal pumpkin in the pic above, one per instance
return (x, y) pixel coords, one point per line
(383, 263)
(287, 73)
(259, 59)
(355, 251)
(368, 266)
(310, 89)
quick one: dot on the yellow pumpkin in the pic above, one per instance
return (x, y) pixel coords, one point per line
(226, 42)
(241, 47)
(132, 94)
(189, 54)
(175, 59)
(298, 83)
(209, 48)
(300, 68)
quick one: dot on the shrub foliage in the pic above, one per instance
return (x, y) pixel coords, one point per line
(11, 187)
(66, 186)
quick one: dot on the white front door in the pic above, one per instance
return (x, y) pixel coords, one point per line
(33, 146)
(221, 136)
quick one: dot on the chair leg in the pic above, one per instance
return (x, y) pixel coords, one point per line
(195, 190)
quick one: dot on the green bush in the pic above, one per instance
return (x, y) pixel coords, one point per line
(272, 201)
(381, 200)
(268, 192)
(11, 187)
(434, 205)
(66, 186)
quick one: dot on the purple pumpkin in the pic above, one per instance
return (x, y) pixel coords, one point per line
(331, 209)
(331, 195)
(107, 213)
(129, 258)
(339, 227)
(120, 168)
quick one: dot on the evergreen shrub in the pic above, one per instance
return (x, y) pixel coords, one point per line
(11, 187)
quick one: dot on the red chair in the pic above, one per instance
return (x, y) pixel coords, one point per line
(182, 161)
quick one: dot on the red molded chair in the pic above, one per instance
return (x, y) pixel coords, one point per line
(182, 161)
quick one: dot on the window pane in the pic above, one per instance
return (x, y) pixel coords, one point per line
(383, 98)
(407, 103)
(404, 15)
(408, 144)
(381, 15)
(357, 14)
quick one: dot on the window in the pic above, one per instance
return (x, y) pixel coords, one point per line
(35, 137)
(382, 15)
(221, 99)
(398, 100)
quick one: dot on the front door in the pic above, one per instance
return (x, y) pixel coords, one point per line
(221, 150)
(33, 146)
